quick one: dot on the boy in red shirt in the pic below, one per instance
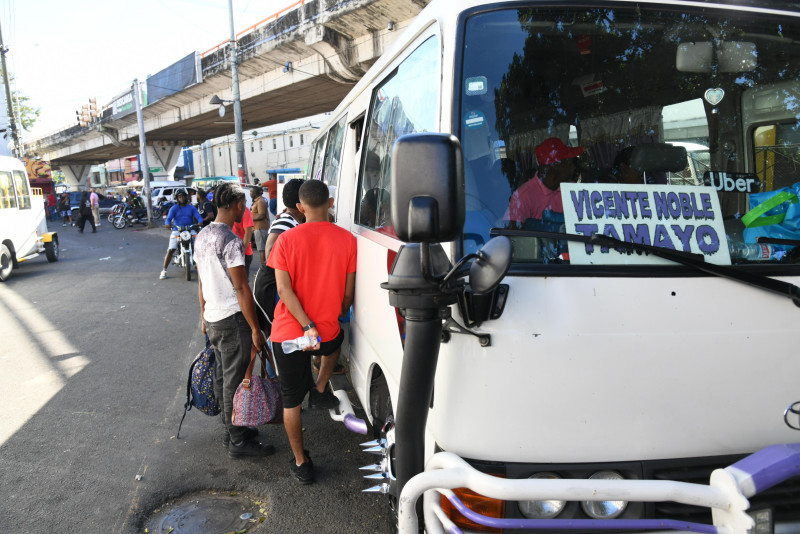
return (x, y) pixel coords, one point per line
(315, 273)
(244, 230)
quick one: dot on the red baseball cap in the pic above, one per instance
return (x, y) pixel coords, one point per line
(553, 150)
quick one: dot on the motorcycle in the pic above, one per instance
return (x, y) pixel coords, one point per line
(116, 209)
(184, 255)
(161, 208)
(127, 217)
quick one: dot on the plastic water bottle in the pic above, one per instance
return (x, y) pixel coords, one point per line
(751, 251)
(301, 343)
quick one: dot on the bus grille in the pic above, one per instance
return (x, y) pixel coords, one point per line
(783, 499)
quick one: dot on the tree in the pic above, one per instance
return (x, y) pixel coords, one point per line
(26, 115)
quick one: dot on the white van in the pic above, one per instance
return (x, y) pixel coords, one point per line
(23, 225)
(166, 190)
(631, 366)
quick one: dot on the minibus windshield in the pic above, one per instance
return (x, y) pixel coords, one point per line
(673, 128)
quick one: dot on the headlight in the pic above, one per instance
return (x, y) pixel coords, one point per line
(542, 509)
(186, 235)
(604, 509)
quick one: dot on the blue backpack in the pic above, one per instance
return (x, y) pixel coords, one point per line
(200, 385)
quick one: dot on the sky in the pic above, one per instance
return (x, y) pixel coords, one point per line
(61, 54)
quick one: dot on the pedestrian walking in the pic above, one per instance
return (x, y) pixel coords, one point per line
(52, 209)
(315, 270)
(85, 213)
(228, 314)
(95, 201)
(65, 209)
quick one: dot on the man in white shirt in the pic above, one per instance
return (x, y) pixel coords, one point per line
(227, 312)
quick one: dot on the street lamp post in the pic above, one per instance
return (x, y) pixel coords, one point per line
(237, 102)
(144, 168)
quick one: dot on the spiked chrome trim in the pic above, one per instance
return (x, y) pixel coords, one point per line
(371, 467)
(380, 488)
(382, 469)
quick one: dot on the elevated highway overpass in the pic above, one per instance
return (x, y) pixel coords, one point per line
(299, 63)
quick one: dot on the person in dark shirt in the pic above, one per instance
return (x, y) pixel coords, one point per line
(205, 207)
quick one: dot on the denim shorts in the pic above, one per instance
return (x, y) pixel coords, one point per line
(261, 238)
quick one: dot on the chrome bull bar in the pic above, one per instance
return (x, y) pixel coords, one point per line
(726, 495)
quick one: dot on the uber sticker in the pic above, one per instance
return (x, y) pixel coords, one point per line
(742, 182)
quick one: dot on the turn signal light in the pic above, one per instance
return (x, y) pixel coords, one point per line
(477, 503)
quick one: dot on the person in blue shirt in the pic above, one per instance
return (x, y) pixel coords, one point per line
(181, 214)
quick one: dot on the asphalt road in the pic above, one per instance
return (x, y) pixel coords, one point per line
(93, 367)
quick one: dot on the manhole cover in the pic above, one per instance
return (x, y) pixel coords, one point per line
(209, 513)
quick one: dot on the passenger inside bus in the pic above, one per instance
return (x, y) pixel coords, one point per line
(375, 211)
(542, 193)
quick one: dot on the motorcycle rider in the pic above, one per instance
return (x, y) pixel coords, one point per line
(137, 205)
(182, 214)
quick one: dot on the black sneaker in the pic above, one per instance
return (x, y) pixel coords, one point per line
(304, 473)
(325, 400)
(249, 433)
(250, 448)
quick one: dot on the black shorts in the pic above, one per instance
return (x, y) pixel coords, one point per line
(294, 369)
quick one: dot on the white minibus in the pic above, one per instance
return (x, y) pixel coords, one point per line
(621, 355)
(23, 224)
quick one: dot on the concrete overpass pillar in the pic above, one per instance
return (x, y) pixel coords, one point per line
(77, 175)
(164, 158)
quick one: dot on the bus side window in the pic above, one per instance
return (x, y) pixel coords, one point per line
(333, 154)
(23, 190)
(8, 197)
(405, 102)
(318, 158)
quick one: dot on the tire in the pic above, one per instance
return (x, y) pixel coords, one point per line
(187, 265)
(120, 222)
(6, 263)
(111, 217)
(51, 250)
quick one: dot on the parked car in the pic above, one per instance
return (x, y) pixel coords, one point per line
(106, 203)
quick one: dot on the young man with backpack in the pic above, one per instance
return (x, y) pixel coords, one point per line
(315, 269)
(228, 314)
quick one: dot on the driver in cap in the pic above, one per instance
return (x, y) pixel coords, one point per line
(557, 164)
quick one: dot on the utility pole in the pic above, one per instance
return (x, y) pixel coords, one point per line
(143, 151)
(237, 102)
(12, 123)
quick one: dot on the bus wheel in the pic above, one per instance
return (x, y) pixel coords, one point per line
(51, 250)
(6, 263)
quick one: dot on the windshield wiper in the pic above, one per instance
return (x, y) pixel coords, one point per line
(696, 261)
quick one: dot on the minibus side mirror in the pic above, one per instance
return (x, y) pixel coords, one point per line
(427, 188)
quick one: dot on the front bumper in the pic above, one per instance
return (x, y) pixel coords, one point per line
(726, 495)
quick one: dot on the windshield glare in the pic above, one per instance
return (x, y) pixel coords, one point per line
(653, 126)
